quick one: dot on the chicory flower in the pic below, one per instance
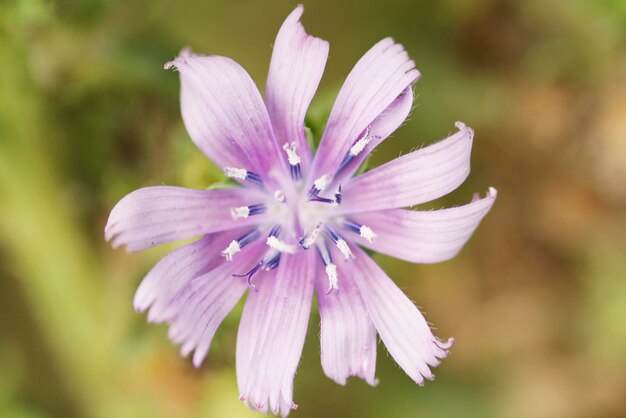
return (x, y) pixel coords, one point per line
(297, 221)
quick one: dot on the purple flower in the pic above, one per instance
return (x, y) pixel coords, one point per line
(298, 220)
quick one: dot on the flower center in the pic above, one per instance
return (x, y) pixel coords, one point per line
(295, 219)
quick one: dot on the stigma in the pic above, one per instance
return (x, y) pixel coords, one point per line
(245, 211)
(360, 144)
(236, 245)
(279, 245)
(294, 160)
(330, 267)
(242, 174)
(320, 184)
(341, 244)
(364, 231)
(357, 148)
(333, 278)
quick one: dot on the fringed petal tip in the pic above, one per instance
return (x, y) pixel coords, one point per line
(370, 380)
(283, 409)
(294, 21)
(114, 233)
(440, 351)
(295, 15)
(180, 59)
(462, 127)
(445, 345)
(492, 193)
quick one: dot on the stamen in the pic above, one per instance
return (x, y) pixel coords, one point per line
(367, 233)
(292, 154)
(341, 243)
(236, 173)
(343, 247)
(235, 246)
(294, 160)
(240, 212)
(279, 245)
(360, 144)
(331, 269)
(307, 240)
(358, 147)
(333, 279)
(232, 249)
(242, 174)
(245, 211)
(364, 231)
(320, 184)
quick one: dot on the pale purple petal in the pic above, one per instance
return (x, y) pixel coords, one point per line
(225, 114)
(374, 83)
(347, 337)
(159, 214)
(414, 178)
(201, 305)
(401, 326)
(177, 269)
(423, 236)
(296, 68)
(268, 351)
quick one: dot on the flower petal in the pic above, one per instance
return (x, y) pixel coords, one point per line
(296, 68)
(418, 177)
(271, 334)
(177, 269)
(224, 113)
(423, 236)
(159, 214)
(401, 326)
(197, 310)
(347, 337)
(374, 83)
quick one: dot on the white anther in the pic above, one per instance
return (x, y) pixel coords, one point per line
(359, 145)
(343, 247)
(292, 154)
(322, 182)
(333, 279)
(232, 249)
(236, 173)
(279, 196)
(492, 192)
(311, 238)
(367, 233)
(240, 212)
(279, 245)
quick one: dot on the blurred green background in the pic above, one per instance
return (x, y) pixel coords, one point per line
(536, 301)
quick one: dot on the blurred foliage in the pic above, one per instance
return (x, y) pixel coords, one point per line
(536, 301)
